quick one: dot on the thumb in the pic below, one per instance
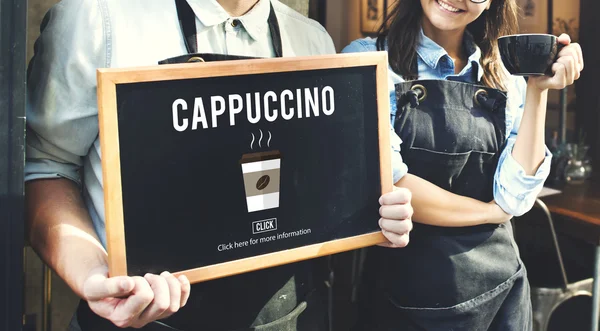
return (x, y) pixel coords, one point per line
(100, 287)
(564, 39)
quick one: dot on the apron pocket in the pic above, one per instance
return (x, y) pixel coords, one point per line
(308, 315)
(287, 322)
(443, 267)
(472, 315)
(477, 166)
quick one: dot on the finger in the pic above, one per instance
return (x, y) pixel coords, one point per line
(398, 196)
(160, 303)
(129, 312)
(570, 50)
(564, 39)
(396, 212)
(387, 244)
(574, 51)
(395, 226)
(186, 289)
(396, 240)
(579, 55)
(100, 287)
(571, 71)
(174, 292)
(569, 54)
(559, 79)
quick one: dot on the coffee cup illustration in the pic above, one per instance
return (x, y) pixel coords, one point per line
(261, 173)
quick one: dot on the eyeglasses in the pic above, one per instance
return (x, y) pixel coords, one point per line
(479, 1)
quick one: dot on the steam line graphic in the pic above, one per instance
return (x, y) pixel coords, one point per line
(260, 140)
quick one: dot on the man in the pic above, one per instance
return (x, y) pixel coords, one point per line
(64, 190)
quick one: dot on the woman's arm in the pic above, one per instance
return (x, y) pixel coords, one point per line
(432, 205)
(435, 206)
(525, 163)
(529, 149)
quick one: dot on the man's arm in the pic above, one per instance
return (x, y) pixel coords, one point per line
(525, 162)
(60, 231)
(62, 128)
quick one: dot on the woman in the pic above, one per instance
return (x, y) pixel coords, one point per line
(458, 113)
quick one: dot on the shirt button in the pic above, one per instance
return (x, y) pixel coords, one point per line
(235, 23)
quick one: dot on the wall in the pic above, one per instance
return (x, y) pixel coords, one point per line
(300, 6)
(37, 9)
(343, 21)
(588, 105)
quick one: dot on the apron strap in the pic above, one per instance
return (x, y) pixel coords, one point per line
(275, 33)
(187, 23)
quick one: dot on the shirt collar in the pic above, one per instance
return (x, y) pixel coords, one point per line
(431, 53)
(210, 13)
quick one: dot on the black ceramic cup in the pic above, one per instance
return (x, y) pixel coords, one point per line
(529, 54)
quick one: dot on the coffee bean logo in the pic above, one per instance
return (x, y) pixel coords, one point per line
(263, 182)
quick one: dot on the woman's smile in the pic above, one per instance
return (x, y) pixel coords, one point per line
(447, 7)
(450, 15)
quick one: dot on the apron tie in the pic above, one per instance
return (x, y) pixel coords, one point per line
(482, 99)
(414, 96)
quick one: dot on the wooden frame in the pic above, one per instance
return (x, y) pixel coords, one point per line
(108, 79)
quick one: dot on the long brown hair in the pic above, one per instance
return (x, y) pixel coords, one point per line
(402, 26)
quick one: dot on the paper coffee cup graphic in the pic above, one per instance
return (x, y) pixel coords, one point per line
(261, 180)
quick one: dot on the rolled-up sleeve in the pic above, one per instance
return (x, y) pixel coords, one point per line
(399, 168)
(515, 191)
(62, 121)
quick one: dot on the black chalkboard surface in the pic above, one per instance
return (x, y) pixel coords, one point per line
(215, 169)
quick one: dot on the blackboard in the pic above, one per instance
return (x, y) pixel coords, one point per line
(220, 168)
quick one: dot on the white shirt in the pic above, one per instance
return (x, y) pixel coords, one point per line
(79, 36)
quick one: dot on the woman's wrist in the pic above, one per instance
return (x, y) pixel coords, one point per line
(534, 88)
(496, 215)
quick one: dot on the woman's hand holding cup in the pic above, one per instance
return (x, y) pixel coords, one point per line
(566, 69)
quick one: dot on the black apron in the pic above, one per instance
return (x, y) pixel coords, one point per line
(460, 279)
(286, 298)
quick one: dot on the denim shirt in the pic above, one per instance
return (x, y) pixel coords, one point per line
(514, 191)
(79, 36)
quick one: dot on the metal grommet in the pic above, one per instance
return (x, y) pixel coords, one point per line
(195, 59)
(420, 90)
(478, 93)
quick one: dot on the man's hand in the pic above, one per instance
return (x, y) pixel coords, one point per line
(396, 213)
(135, 301)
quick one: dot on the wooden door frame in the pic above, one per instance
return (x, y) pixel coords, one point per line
(13, 31)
